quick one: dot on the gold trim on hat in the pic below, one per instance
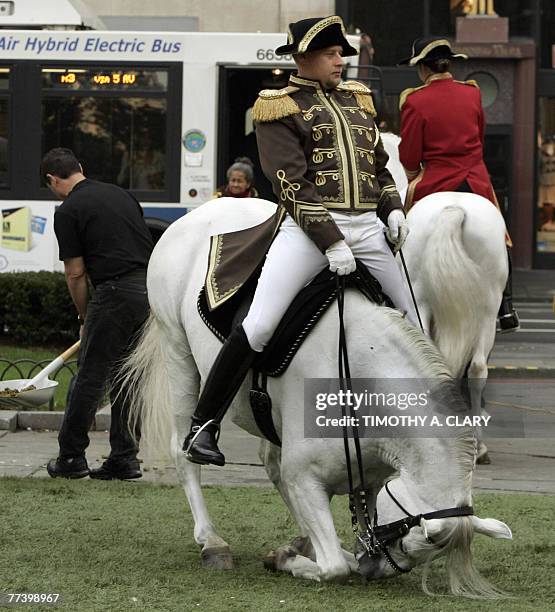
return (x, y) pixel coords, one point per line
(317, 28)
(289, 36)
(443, 42)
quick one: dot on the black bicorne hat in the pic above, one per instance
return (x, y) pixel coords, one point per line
(316, 33)
(429, 49)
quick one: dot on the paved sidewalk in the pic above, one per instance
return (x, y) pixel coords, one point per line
(533, 285)
(525, 465)
(526, 352)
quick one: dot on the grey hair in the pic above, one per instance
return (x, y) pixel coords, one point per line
(244, 165)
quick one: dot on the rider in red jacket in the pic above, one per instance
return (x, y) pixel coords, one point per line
(442, 135)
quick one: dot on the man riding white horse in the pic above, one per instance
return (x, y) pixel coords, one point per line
(322, 152)
(442, 135)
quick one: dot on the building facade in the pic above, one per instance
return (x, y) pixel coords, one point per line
(209, 15)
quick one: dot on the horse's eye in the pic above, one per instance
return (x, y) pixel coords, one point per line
(429, 540)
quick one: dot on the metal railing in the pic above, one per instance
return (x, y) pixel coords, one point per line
(26, 368)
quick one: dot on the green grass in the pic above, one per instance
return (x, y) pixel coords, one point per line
(119, 546)
(13, 353)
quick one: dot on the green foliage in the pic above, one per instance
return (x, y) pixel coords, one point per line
(36, 308)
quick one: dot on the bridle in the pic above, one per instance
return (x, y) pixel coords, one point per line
(386, 534)
(374, 539)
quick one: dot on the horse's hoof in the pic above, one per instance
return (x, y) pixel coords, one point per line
(217, 558)
(483, 459)
(275, 559)
(303, 546)
(270, 562)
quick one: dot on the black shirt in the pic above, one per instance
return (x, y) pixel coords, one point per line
(103, 224)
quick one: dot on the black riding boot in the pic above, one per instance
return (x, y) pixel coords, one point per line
(226, 376)
(507, 319)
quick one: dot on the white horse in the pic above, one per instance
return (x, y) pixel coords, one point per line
(457, 262)
(175, 353)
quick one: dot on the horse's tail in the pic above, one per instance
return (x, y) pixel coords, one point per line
(144, 377)
(454, 305)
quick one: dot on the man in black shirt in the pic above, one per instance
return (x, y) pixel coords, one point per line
(102, 237)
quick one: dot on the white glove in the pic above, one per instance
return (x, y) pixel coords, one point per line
(341, 258)
(397, 228)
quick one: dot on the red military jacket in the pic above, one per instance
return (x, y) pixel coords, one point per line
(442, 135)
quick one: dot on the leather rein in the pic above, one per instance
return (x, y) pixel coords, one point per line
(373, 538)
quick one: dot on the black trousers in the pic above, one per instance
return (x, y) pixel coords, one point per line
(115, 313)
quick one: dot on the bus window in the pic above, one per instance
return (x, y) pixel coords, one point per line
(114, 120)
(119, 140)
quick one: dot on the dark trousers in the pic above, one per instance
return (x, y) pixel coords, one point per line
(506, 303)
(114, 315)
(464, 187)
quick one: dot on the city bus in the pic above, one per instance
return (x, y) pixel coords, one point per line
(160, 114)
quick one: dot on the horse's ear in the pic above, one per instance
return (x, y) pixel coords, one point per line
(492, 528)
(432, 528)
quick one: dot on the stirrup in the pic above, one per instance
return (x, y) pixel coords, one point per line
(199, 429)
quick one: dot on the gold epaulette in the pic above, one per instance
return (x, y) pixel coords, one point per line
(406, 93)
(470, 82)
(363, 95)
(274, 104)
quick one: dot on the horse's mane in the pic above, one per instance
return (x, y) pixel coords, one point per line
(463, 577)
(421, 348)
(434, 367)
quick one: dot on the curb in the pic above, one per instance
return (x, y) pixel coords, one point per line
(36, 420)
(509, 371)
(531, 299)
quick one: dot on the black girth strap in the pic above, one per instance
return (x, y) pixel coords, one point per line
(261, 405)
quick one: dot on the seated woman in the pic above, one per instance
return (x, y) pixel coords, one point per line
(240, 177)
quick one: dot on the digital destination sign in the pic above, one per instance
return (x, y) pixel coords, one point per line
(98, 78)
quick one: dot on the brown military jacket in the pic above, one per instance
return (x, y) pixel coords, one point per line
(322, 151)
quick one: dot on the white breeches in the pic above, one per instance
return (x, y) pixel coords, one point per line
(293, 260)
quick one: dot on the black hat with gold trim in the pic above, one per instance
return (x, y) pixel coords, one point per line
(430, 49)
(316, 33)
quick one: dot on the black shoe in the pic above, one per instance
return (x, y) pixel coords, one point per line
(74, 467)
(224, 380)
(110, 470)
(203, 448)
(508, 322)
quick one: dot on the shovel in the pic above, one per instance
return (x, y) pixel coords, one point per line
(44, 387)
